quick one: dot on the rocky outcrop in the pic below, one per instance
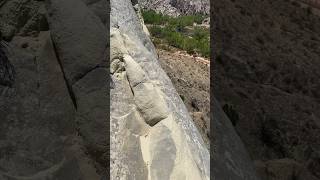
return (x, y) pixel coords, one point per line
(177, 7)
(54, 106)
(54, 110)
(152, 134)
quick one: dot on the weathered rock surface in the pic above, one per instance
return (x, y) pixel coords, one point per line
(80, 40)
(79, 35)
(30, 117)
(146, 95)
(163, 143)
(177, 7)
(99, 7)
(53, 91)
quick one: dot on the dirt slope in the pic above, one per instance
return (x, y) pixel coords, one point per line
(267, 69)
(191, 78)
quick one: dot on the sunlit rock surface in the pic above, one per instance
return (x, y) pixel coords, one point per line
(153, 136)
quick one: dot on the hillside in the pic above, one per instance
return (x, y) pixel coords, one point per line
(177, 7)
(192, 81)
(266, 77)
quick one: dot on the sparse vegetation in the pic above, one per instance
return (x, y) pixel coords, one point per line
(151, 17)
(180, 32)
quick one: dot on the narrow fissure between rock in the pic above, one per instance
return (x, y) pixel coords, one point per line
(70, 91)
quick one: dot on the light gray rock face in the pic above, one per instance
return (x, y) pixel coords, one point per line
(147, 99)
(150, 126)
(177, 7)
(230, 158)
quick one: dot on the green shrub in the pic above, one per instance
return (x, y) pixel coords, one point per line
(174, 32)
(186, 20)
(203, 47)
(198, 18)
(180, 27)
(170, 28)
(201, 33)
(151, 17)
(189, 45)
(175, 39)
(157, 31)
